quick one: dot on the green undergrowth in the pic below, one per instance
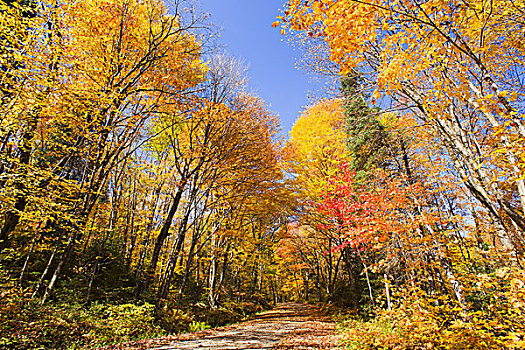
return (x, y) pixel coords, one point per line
(25, 324)
(111, 315)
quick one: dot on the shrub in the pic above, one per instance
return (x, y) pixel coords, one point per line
(120, 323)
(196, 326)
(174, 320)
(421, 322)
(28, 325)
(221, 317)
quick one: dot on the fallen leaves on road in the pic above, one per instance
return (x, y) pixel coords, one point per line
(288, 326)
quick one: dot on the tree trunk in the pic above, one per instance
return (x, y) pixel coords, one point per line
(12, 216)
(212, 299)
(91, 280)
(58, 269)
(44, 273)
(387, 292)
(26, 262)
(188, 266)
(164, 286)
(368, 282)
(159, 242)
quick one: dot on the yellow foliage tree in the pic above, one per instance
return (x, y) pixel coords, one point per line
(456, 68)
(317, 144)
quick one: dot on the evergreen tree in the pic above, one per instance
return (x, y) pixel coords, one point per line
(367, 139)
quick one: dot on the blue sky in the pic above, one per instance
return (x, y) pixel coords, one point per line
(247, 33)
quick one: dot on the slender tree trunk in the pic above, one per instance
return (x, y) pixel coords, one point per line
(212, 275)
(58, 269)
(5, 152)
(129, 253)
(12, 216)
(223, 273)
(164, 286)
(330, 270)
(145, 243)
(318, 283)
(260, 282)
(212, 281)
(91, 280)
(28, 257)
(368, 282)
(44, 273)
(159, 242)
(387, 292)
(188, 266)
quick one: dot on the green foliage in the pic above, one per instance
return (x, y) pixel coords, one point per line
(197, 326)
(362, 335)
(174, 320)
(113, 280)
(367, 139)
(221, 316)
(117, 323)
(247, 308)
(27, 325)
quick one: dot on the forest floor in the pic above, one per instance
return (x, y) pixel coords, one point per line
(288, 326)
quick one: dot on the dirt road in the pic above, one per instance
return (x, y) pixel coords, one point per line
(288, 326)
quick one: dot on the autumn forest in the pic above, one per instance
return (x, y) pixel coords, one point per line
(146, 192)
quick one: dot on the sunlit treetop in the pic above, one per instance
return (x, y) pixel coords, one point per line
(317, 137)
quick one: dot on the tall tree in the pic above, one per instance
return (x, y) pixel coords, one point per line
(436, 60)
